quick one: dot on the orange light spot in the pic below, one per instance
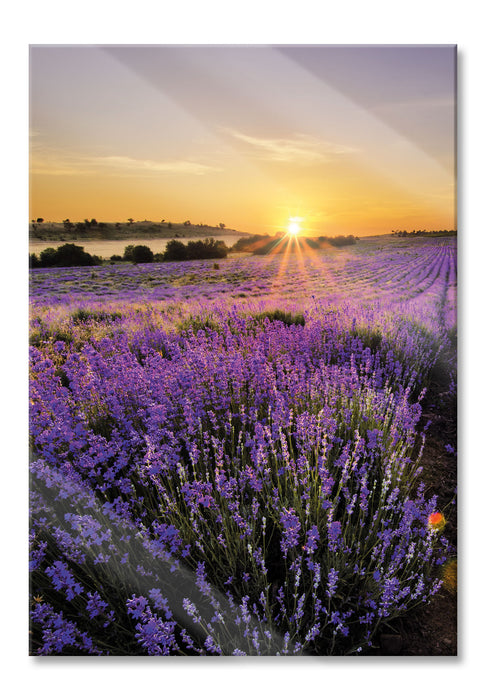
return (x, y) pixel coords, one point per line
(449, 575)
(436, 521)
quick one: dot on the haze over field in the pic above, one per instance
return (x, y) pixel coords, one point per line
(335, 140)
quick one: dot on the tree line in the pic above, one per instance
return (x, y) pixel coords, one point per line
(261, 244)
(91, 228)
(175, 251)
(422, 232)
(67, 255)
(71, 255)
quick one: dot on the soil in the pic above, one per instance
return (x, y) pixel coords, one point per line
(431, 630)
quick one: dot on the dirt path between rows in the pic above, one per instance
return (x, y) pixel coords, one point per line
(431, 630)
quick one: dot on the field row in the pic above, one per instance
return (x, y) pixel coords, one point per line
(420, 277)
(227, 461)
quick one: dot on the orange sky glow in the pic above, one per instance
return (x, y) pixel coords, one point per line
(344, 140)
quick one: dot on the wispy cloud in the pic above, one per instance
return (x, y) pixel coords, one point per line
(176, 166)
(45, 160)
(300, 148)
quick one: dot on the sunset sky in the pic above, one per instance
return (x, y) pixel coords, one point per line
(345, 139)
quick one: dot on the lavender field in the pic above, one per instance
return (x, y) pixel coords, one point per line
(226, 458)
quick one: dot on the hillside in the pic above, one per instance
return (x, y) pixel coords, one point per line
(92, 229)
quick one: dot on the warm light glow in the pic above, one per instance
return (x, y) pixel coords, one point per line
(207, 148)
(293, 229)
(437, 522)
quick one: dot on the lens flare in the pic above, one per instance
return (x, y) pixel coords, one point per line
(293, 228)
(436, 522)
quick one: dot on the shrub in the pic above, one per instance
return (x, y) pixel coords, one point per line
(285, 317)
(249, 244)
(128, 254)
(194, 324)
(48, 257)
(87, 315)
(67, 255)
(195, 250)
(142, 254)
(175, 250)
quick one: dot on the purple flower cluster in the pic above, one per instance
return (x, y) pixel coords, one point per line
(233, 483)
(291, 529)
(58, 634)
(154, 634)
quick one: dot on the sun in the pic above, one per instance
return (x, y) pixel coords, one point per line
(293, 228)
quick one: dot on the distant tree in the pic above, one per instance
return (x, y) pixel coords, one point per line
(250, 243)
(187, 223)
(175, 250)
(204, 250)
(128, 254)
(48, 258)
(68, 225)
(130, 222)
(340, 241)
(93, 223)
(33, 260)
(222, 226)
(40, 220)
(142, 254)
(336, 241)
(116, 258)
(162, 221)
(67, 255)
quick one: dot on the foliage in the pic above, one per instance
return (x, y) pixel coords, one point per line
(175, 251)
(285, 317)
(249, 244)
(281, 242)
(338, 241)
(67, 255)
(128, 253)
(142, 254)
(195, 250)
(206, 249)
(423, 232)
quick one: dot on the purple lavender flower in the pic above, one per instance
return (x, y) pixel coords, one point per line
(95, 605)
(332, 581)
(312, 539)
(62, 578)
(136, 606)
(292, 527)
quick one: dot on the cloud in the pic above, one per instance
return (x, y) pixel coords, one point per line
(301, 148)
(176, 166)
(45, 160)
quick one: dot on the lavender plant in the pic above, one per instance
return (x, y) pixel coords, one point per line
(233, 481)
